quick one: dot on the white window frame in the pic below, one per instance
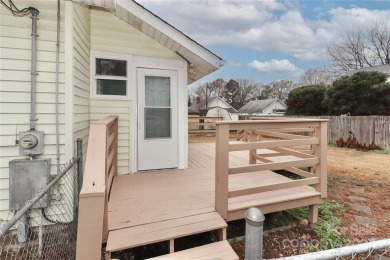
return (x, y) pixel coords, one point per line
(94, 77)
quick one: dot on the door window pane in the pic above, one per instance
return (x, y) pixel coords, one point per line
(111, 87)
(111, 67)
(157, 123)
(157, 91)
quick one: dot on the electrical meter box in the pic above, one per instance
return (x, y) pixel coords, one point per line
(31, 142)
(27, 178)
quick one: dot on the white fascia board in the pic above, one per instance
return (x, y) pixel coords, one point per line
(109, 4)
(170, 31)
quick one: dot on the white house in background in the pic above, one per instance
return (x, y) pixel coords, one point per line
(115, 58)
(264, 107)
(380, 68)
(213, 108)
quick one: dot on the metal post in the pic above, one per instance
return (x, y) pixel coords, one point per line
(22, 228)
(254, 234)
(34, 35)
(40, 236)
(80, 163)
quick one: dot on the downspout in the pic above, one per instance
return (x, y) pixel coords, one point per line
(34, 35)
(57, 83)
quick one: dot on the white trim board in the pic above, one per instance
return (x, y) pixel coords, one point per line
(135, 62)
(69, 79)
(181, 68)
(170, 31)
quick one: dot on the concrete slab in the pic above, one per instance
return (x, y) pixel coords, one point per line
(357, 190)
(364, 220)
(362, 208)
(357, 198)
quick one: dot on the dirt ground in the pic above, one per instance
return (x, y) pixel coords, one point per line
(350, 164)
(347, 168)
(283, 243)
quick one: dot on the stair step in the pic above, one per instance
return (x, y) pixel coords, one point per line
(164, 230)
(218, 250)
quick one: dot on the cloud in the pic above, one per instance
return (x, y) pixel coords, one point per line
(233, 63)
(264, 26)
(283, 66)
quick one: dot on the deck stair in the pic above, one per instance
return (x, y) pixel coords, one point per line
(167, 230)
(218, 250)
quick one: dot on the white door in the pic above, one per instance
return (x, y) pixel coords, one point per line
(157, 119)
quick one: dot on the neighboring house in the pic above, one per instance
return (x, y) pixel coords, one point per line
(271, 106)
(215, 104)
(380, 68)
(122, 61)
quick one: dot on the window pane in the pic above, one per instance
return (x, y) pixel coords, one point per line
(157, 91)
(111, 87)
(157, 123)
(111, 67)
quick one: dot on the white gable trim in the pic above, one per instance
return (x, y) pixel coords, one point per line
(276, 100)
(223, 101)
(170, 31)
(109, 4)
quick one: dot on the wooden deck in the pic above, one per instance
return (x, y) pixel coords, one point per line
(223, 180)
(140, 202)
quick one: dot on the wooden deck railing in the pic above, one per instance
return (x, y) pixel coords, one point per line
(201, 125)
(100, 169)
(267, 139)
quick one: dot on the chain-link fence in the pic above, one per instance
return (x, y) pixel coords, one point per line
(45, 227)
(376, 250)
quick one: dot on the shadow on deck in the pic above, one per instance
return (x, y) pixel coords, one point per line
(223, 180)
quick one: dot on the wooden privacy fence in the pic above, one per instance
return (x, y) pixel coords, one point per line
(202, 125)
(304, 141)
(100, 169)
(367, 129)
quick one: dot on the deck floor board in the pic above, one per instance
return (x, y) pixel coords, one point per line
(153, 197)
(218, 250)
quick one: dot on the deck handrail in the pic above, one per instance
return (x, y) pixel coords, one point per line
(100, 169)
(286, 134)
(202, 124)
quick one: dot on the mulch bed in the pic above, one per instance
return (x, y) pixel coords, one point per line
(283, 243)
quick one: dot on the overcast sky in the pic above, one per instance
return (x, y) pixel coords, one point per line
(267, 40)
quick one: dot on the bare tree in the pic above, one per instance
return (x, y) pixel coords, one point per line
(278, 89)
(317, 76)
(362, 48)
(209, 90)
(217, 86)
(247, 92)
(379, 36)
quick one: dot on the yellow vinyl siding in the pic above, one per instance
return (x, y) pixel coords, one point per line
(15, 66)
(103, 108)
(81, 67)
(109, 34)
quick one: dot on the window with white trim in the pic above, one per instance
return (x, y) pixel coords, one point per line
(110, 76)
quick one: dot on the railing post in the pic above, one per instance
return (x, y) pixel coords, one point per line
(222, 169)
(253, 152)
(79, 163)
(254, 234)
(320, 151)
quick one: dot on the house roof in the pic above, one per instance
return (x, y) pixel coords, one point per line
(201, 60)
(193, 109)
(257, 106)
(380, 68)
(230, 109)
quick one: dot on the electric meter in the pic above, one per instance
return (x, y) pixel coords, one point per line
(31, 143)
(28, 141)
